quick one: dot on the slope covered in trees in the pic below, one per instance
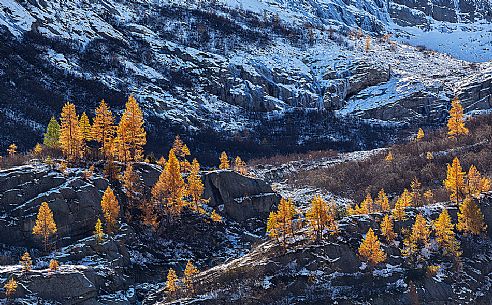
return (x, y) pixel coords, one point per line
(159, 223)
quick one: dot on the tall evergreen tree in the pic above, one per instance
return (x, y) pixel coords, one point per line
(52, 135)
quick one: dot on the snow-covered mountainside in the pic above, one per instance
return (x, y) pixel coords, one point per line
(281, 73)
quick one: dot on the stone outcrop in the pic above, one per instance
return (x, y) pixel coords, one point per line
(349, 81)
(475, 92)
(241, 197)
(70, 285)
(75, 203)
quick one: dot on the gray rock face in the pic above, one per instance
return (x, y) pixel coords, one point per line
(475, 92)
(415, 12)
(70, 285)
(242, 197)
(74, 201)
(347, 82)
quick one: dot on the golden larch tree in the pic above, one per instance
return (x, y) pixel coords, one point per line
(37, 150)
(169, 191)
(26, 262)
(475, 183)
(389, 157)
(470, 218)
(172, 281)
(406, 198)
(54, 265)
(10, 287)
(85, 127)
(370, 249)
(418, 238)
(103, 129)
(455, 181)
(367, 205)
(224, 161)
(456, 122)
(180, 149)
(382, 201)
(12, 150)
(195, 186)
(131, 134)
(240, 166)
(45, 225)
(319, 216)
(215, 216)
(98, 231)
(398, 211)
(71, 139)
(132, 188)
(111, 210)
(420, 134)
(189, 274)
(387, 228)
(272, 226)
(445, 236)
(280, 223)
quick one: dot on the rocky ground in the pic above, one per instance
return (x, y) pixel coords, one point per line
(124, 268)
(238, 264)
(331, 272)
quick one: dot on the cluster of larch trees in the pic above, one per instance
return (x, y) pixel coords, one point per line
(173, 283)
(464, 189)
(319, 218)
(123, 141)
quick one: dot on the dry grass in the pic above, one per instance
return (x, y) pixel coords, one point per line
(282, 159)
(354, 179)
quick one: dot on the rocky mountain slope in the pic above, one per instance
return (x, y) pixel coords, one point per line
(280, 73)
(331, 273)
(238, 264)
(125, 268)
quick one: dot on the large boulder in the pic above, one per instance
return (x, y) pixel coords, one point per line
(75, 203)
(240, 196)
(69, 285)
